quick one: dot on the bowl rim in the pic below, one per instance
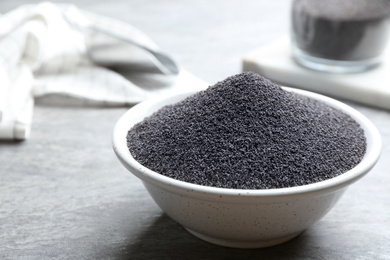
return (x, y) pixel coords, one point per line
(143, 109)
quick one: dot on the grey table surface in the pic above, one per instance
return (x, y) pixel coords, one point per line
(64, 195)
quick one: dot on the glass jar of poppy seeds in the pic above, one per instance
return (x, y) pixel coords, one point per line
(339, 35)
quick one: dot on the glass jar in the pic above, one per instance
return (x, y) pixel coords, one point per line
(339, 36)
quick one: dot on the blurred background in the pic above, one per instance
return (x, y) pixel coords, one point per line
(193, 31)
(64, 195)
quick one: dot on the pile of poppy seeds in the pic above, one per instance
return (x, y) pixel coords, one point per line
(246, 132)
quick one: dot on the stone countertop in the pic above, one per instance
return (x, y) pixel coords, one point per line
(64, 195)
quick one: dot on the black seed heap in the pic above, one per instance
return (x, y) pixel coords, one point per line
(350, 30)
(246, 132)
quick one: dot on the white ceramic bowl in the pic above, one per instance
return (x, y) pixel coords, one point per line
(237, 217)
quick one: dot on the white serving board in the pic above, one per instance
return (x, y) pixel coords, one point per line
(274, 61)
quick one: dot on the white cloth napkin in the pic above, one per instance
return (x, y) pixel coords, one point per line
(42, 54)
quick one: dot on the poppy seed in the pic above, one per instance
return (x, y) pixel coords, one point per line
(246, 132)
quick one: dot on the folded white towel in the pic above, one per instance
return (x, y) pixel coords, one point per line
(41, 53)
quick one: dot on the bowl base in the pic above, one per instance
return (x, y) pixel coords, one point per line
(242, 243)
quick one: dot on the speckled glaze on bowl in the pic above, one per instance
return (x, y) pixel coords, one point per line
(243, 218)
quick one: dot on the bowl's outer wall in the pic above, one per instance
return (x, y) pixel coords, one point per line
(262, 221)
